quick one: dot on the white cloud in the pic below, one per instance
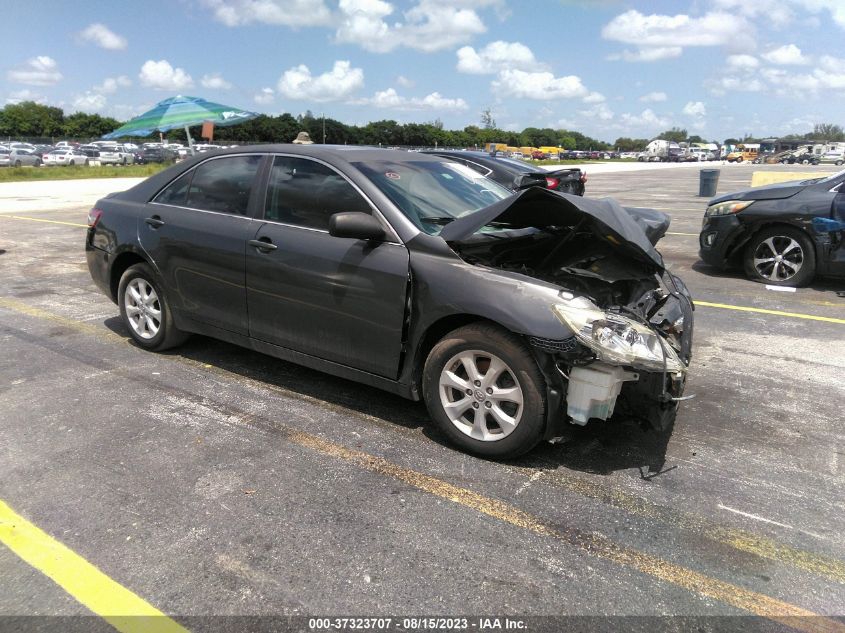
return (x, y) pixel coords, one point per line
(265, 96)
(695, 109)
(435, 101)
(594, 97)
(831, 64)
(646, 119)
(111, 85)
(648, 54)
(777, 11)
(538, 85)
(38, 71)
(786, 55)
(782, 13)
(743, 61)
(495, 57)
(25, 95)
(340, 82)
(404, 82)
(653, 97)
(431, 25)
(102, 36)
(161, 75)
(214, 81)
(601, 112)
(711, 29)
(90, 102)
(729, 84)
(293, 13)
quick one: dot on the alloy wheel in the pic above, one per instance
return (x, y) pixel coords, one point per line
(143, 308)
(481, 395)
(778, 258)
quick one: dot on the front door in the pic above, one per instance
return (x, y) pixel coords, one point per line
(338, 299)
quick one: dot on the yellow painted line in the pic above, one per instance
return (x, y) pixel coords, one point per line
(794, 315)
(739, 539)
(691, 234)
(23, 217)
(118, 606)
(591, 543)
(79, 326)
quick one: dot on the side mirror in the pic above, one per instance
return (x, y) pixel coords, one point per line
(359, 226)
(523, 181)
(827, 225)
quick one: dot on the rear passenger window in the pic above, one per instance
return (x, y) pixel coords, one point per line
(176, 193)
(306, 193)
(221, 184)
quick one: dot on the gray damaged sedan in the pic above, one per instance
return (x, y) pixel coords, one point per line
(512, 316)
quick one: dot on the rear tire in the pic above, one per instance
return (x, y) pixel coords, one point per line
(146, 311)
(484, 390)
(780, 256)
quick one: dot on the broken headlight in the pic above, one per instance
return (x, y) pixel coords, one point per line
(616, 339)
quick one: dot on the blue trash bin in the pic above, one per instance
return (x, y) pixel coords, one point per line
(708, 179)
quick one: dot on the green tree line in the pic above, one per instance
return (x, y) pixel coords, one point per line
(32, 120)
(36, 121)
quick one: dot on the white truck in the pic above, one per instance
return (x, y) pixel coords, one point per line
(660, 151)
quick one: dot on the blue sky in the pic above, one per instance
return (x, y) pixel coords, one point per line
(607, 68)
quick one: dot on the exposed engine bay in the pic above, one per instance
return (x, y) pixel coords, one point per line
(631, 319)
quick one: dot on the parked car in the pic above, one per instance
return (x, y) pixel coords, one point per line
(410, 273)
(769, 231)
(66, 157)
(5, 157)
(516, 174)
(155, 155)
(24, 157)
(115, 155)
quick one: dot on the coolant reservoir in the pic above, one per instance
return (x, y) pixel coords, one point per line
(592, 391)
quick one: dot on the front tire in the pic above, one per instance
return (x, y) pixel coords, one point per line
(485, 392)
(145, 310)
(780, 256)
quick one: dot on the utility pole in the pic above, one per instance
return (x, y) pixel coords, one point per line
(324, 128)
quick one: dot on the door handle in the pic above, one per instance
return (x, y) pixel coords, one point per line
(264, 244)
(155, 221)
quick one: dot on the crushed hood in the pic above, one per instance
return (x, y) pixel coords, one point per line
(539, 207)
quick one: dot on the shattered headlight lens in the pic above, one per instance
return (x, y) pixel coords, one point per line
(616, 339)
(727, 207)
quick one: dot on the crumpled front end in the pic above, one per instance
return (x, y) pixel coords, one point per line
(631, 321)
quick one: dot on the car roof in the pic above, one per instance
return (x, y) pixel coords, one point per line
(347, 153)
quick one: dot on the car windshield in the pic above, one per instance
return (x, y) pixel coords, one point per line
(432, 194)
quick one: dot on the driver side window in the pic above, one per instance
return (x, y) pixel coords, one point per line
(305, 193)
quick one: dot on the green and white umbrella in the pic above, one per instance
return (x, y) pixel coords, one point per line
(181, 112)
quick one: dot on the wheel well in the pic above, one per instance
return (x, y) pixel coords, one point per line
(437, 331)
(736, 249)
(123, 261)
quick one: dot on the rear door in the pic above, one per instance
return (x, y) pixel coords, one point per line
(196, 230)
(338, 299)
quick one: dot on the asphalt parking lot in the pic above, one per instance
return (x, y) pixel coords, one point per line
(211, 480)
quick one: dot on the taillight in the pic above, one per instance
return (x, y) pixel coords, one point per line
(552, 183)
(583, 176)
(94, 217)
